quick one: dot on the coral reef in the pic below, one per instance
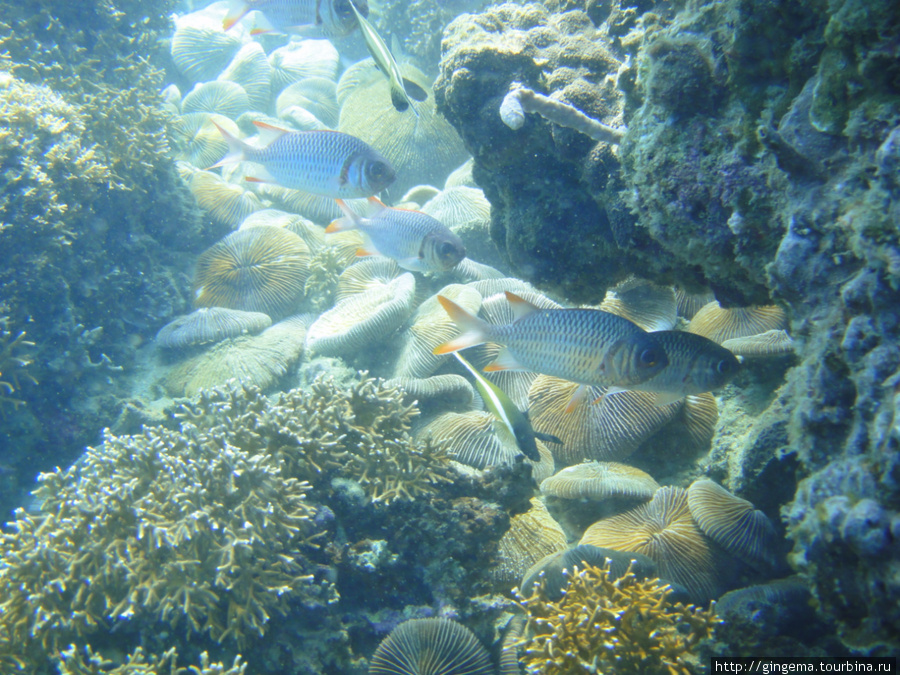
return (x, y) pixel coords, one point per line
(85, 229)
(763, 177)
(604, 624)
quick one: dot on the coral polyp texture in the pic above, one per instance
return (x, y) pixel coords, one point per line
(607, 625)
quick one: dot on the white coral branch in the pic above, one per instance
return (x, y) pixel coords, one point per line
(521, 100)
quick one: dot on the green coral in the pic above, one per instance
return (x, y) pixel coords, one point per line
(606, 625)
(73, 662)
(15, 361)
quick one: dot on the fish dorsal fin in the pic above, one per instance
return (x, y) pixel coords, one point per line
(376, 205)
(269, 133)
(520, 306)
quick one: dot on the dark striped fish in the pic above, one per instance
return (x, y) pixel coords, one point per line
(696, 365)
(331, 18)
(587, 346)
(326, 163)
(414, 239)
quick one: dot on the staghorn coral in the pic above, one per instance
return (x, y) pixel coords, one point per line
(359, 433)
(195, 527)
(15, 359)
(601, 624)
(73, 662)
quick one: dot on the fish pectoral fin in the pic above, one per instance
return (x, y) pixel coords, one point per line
(504, 361)
(578, 396)
(399, 100)
(340, 225)
(665, 398)
(413, 264)
(520, 306)
(414, 91)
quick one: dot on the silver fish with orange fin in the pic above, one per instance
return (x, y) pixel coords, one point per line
(414, 239)
(588, 346)
(315, 18)
(326, 163)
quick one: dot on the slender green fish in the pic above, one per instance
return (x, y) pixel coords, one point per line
(510, 416)
(403, 91)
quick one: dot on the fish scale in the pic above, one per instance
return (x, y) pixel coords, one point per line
(588, 346)
(567, 343)
(417, 241)
(326, 163)
(331, 18)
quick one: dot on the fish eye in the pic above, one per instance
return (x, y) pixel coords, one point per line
(446, 249)
(724, 367)
(648, 358)
(378, 171)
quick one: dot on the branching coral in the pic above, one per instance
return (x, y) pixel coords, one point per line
(360, 433)
(73, 662)
(611, 625)
(192, 527)
(521, 100)
(15, 359)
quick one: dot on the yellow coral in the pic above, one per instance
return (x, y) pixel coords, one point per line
(606, 625)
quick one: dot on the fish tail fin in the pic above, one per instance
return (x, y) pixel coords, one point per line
(473, 329)
(237, 149)
(350, 221)
(237, 10)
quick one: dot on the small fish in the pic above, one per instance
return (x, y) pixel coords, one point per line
(329, 18)
(696, 365)
(510, 416)
(414, 239)
(403, 91)
(326, 163)
(587, 346)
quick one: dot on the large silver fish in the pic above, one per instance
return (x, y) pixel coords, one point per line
(331, 18)
(587, 346)
(403, 91)
(414, 239)
(326, 163)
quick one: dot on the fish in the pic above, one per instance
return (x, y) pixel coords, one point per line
(696, 365)
(328, 18)
(502, 407)
(417, 241)
(327, 163)
(587, 346)
(403, 91)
